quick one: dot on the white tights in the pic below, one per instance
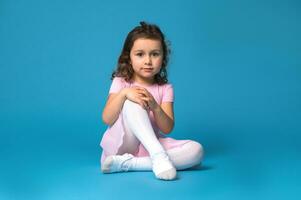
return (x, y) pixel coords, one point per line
(139, 129)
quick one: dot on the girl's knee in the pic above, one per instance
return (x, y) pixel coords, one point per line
(131, 105)
(196, 151)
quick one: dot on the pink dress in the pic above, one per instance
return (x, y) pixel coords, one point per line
(113, 136)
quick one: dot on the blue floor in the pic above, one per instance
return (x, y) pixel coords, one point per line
(37, 164)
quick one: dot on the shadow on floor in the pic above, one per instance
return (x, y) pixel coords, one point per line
(199, 167)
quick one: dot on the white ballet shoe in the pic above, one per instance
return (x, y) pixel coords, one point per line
(163, 167)
(117, 163)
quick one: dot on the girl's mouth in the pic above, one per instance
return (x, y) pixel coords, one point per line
(148, 69)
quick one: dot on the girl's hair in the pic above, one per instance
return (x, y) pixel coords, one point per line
(147, 31)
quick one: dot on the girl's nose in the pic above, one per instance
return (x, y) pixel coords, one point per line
(148, 60)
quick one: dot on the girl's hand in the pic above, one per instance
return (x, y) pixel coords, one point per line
(149, 99)
(136, 94)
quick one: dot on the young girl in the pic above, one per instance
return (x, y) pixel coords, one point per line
(139, 111)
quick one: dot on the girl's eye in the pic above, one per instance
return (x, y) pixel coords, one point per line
(156, 54)
(139, 54)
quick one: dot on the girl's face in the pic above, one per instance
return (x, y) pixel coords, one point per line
(146, 57)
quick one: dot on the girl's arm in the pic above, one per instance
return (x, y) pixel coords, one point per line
(164, 117)
(163, 113)
(113, 107)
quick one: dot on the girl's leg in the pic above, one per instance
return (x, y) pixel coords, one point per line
(137, 122)
(183, 157)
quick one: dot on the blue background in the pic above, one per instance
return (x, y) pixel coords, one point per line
(236, 70)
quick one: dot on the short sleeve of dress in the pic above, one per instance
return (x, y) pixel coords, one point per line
(117, 85)
(168, 93)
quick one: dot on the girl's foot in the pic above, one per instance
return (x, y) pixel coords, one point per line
(117, 163)
(163, 167)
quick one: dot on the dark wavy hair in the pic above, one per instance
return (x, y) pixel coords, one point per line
(147, 31)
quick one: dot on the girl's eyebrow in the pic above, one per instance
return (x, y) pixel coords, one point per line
(139, 50)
